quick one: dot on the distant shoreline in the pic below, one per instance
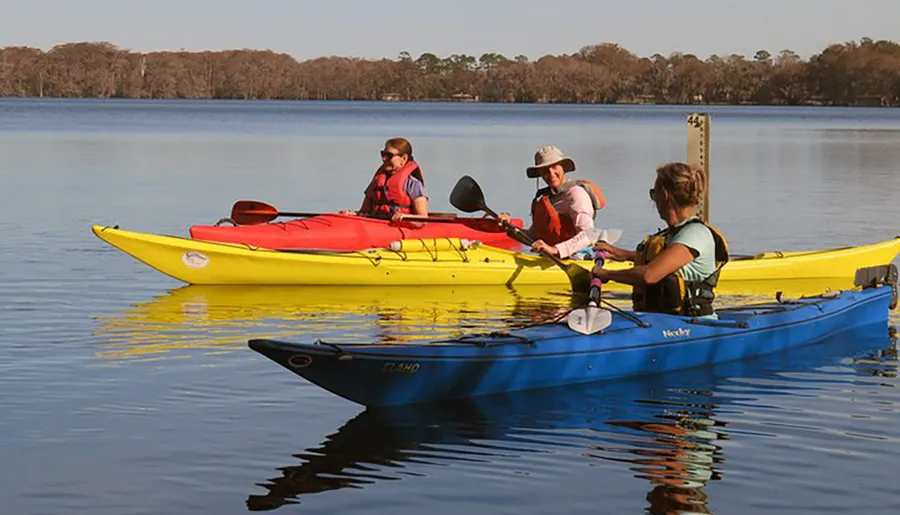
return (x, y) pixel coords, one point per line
(429, 101)
(860, 74)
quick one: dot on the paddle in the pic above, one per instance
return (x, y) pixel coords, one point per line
(589, 320)
(592, 319)
(468, 198)
(254, 212)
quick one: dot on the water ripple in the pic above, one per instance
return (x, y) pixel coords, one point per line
(123, 392)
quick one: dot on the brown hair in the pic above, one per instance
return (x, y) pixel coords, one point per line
(401, 144)
(685, 184)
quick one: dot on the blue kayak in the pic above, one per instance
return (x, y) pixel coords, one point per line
(553, 354)
(661, 425)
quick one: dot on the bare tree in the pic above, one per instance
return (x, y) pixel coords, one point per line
(852, 73)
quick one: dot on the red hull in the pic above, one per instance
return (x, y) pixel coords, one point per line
(338, 232)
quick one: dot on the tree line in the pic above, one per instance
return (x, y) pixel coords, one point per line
(852, 73)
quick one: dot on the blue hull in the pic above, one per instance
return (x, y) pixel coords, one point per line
(661, 425)
(549, 355)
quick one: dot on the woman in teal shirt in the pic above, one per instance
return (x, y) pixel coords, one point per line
(676, 269)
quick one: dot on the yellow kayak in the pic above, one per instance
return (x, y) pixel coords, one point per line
(442, 262)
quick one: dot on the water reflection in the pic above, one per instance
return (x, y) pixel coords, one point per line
(682, 460)
(224, 317)
(654, 431)
(667, 430)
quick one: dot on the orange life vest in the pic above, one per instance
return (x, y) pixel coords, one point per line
(551, 227)
(386, 194)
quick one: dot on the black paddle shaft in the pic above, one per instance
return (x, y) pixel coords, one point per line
(468, 198)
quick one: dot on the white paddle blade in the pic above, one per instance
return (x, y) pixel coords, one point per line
(589, 320)
(594, 235)
(609, 235)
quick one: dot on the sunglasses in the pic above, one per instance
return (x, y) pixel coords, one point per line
(389, 155)
(653, 194)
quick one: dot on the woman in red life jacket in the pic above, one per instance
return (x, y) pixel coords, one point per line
(562, 214)
(398, 187)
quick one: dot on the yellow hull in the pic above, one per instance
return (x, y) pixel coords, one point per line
(439, 263)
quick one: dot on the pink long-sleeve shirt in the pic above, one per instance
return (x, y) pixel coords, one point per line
(575, 204)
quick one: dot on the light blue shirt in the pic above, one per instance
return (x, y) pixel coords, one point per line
(699, 239)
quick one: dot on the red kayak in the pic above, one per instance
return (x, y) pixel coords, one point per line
(341, 232)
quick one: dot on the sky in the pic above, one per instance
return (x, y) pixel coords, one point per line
(371, 29)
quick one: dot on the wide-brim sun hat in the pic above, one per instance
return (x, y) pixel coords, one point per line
(549, 156)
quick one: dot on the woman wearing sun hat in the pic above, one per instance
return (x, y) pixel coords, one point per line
(562, 213)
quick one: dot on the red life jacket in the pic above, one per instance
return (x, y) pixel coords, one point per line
(387, 194)
(551, 227)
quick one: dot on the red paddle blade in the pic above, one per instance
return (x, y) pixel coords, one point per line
(252, 212)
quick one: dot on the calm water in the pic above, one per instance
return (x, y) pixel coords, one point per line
(123, 392)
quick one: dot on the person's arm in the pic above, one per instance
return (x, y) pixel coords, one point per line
(582, 211)
(420, 206)
(616, 253)
(668, 261)
(415, 190)
(363, 209)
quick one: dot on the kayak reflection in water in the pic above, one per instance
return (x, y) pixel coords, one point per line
(217, 317)
(664, 433)
(429, 319)
(398, 187)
